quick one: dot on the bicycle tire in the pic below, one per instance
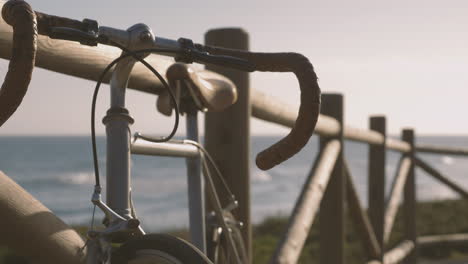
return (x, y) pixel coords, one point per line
(158, 249)
(219, 251)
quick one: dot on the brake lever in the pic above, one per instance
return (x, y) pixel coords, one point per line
(191, 53)
(84, 38)
(87, 35)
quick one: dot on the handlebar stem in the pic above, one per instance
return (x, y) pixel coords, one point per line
(118, 119)
(138, 36)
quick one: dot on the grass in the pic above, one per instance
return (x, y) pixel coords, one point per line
(441, 217)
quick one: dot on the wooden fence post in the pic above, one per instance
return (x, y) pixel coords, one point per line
(409, 206)
(227, 134)
(32, 230)
(376, 184)
(332, 208)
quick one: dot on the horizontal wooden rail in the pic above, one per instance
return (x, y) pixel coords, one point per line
(271, 109)
(360, 218)
(396, 196)
(433, 149)
(397, 254)
(395, 144)
(438, 240)
(436, 174)
(307, 205)
(86, 62)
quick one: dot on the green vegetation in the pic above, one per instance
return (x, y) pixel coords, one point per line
(441, 217)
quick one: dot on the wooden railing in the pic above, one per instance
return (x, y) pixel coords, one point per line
(328, 186)
(375, 226)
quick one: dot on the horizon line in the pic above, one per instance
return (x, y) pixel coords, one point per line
(202, 134)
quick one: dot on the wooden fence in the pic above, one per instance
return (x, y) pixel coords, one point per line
(329, 185)
(330, 175)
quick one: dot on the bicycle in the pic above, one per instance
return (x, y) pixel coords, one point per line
(200, 91)
(137, 42)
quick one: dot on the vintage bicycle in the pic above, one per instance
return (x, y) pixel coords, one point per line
(189, 90)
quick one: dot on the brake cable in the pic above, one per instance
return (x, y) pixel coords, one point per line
(96, 91)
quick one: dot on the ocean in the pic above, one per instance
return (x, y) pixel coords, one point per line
(58, 171)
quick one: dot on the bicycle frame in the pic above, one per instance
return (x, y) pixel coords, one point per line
(189, 150)
(196, 202)
(117, 121)
(196, 192)
(194, 156)
(118, 207)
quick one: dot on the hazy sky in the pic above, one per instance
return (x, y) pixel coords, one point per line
(405, 59)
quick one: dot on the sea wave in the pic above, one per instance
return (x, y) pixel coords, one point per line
(77, 178)
(260, 176)
(65, 178)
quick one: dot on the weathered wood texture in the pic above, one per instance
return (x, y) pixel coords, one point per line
(395, 196)
(271, 109)
(376, 182)
(307, 205)
(397, 254)
(30, 228)
(360, 219)
(442, 240)
(409, 205)
(440, 177)
(374, 138)
(227, 134)
(332, 208)
(432, 149)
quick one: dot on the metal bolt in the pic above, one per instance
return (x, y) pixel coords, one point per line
(133, 223)
(145, 36)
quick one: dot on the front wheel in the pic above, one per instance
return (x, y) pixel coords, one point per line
(158, 249)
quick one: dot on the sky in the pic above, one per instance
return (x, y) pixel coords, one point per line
(406, 60)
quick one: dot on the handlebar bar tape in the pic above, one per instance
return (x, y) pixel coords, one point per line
(22, 18)
(310, 100)
(26, 25)
(45, 23)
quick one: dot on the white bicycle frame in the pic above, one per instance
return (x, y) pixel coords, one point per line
(196, 202)
(118, 206)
